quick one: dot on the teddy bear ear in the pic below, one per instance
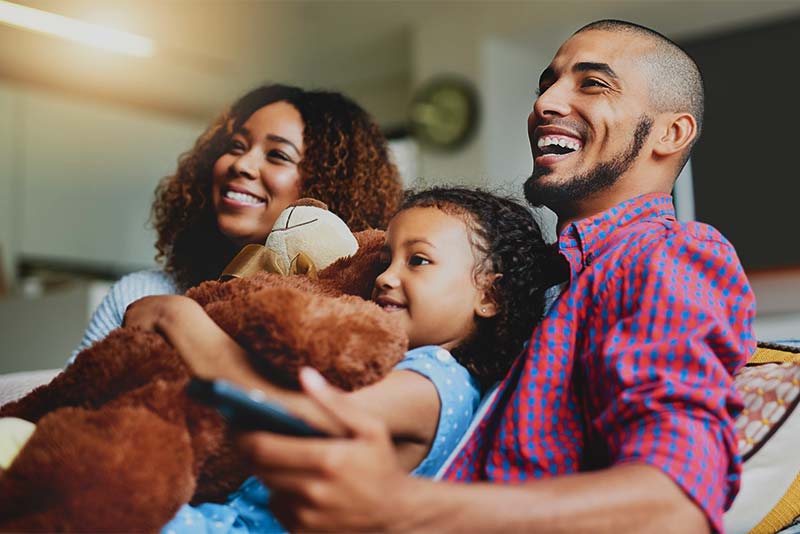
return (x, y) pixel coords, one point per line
(302, 264)
(309, 202)
(249, 261)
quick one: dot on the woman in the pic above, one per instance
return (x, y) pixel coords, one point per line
(276, 144)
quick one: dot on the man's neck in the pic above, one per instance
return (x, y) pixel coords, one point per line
(597, 204)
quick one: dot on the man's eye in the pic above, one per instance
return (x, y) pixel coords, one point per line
(593, 83)
(418, 260)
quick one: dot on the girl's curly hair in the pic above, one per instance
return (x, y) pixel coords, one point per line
(507, 241)
(346, 165)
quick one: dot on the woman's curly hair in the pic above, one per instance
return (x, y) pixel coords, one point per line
(507, 241)
(346, 165)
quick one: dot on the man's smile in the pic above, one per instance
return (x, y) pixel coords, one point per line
(551, 149)
(554, 144)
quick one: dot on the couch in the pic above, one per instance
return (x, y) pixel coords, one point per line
(768, 428)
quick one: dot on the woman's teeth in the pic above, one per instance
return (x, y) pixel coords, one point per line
(244, 198)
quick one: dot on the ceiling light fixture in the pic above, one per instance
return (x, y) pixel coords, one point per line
(75, 30)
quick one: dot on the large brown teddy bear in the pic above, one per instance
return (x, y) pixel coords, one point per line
(118, 446)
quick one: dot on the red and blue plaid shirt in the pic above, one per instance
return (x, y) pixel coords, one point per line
(633, 362)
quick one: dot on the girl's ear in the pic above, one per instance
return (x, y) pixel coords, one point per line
(485, 303)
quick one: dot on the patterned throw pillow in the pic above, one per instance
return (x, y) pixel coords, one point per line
(769, 435)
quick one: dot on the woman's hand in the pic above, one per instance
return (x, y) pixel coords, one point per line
(160, 313)
(207, 350)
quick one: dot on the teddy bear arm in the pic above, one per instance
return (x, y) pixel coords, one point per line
(351, 341)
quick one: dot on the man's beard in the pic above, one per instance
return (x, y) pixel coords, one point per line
(582, 186)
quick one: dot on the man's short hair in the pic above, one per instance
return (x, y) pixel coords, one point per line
(675, 80)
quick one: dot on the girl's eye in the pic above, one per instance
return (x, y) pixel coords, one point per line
(416, 260)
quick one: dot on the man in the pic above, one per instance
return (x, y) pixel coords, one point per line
(619, 415)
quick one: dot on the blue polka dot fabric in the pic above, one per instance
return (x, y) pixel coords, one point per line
(633, 362)
(247, 509)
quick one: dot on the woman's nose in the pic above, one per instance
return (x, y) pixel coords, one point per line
(246, 165)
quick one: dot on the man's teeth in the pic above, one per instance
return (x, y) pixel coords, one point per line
(558, 141)
(243, 197)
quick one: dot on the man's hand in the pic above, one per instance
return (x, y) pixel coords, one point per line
(329, 484)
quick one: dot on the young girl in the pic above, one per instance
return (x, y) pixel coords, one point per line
(466, 273)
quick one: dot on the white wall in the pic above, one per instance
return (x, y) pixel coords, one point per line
(76, 185)
(510, 77)
(441, 48)
(7, 222)
(86, 174)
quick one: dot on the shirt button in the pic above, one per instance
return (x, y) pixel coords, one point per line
(588, 259)
(442, 355)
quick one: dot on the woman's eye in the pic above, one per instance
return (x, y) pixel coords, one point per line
(236, 147)
(418, 260)
(279, 155)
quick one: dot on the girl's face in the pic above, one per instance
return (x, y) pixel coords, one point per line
(258, 176)
(429, 281)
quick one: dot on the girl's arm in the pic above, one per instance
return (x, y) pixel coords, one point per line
(405, 401)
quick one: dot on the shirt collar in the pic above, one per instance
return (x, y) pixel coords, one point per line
(582, 239)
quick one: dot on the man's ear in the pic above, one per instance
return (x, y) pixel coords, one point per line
(677, 133)
(485, 303)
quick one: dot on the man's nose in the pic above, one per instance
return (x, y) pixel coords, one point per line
(553, 101)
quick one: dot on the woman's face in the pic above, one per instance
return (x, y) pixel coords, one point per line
(258, 176)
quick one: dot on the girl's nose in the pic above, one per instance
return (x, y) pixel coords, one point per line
(387, 279)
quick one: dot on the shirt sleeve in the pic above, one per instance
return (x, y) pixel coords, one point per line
(664, 377)
(459, 396)
(111, 311)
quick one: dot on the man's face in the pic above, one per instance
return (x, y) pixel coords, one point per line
(591, 119)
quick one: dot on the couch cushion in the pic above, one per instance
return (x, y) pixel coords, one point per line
(769, 431)
(15, 385)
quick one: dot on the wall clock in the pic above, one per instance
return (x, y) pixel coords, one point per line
(444, 113)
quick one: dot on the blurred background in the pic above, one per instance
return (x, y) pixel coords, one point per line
(87, 130)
